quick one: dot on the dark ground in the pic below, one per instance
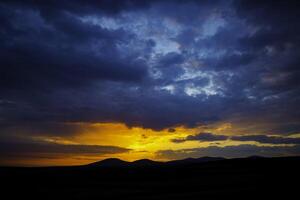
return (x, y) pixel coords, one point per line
(235, 178)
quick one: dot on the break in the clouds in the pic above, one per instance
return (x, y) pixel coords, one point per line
(153, 64)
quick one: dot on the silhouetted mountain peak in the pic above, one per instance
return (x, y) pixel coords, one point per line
(110, 162)
(115, 162)
(145, 162)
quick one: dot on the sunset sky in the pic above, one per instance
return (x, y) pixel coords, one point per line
(85, 80)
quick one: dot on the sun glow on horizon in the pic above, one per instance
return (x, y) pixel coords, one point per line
(135, 142)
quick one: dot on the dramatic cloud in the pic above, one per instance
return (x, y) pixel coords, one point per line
(52, 148)
(230, 151)
(205, 137)
(21, 152)
(107, 61)
(265, 139)
(155, 64)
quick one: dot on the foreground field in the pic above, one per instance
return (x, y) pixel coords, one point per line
(188, 179)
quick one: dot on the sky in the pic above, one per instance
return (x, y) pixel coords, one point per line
(86, 80)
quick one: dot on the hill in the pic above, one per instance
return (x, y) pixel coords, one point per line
(115, 162)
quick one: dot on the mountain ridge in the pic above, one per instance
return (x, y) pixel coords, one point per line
(116, 162)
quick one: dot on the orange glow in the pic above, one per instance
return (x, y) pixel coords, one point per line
(143, 143)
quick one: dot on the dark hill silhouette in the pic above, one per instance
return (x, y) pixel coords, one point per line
(115, 162)
(202, 178)
(146, 162)
(110, 162)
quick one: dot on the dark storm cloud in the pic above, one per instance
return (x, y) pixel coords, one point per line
(205, 137)
(171, 59)
(35, 127)
(110, 7)
(230, 152)
(38, 56)
(175, 63)
(267, 139)
(264, 139)
(82, 6)
(230, 61)
(8, 148)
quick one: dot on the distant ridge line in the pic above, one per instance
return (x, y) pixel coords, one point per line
(116, 162)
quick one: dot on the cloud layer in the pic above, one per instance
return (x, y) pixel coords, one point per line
(154, 64)
(236, 151)
(264, 139)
